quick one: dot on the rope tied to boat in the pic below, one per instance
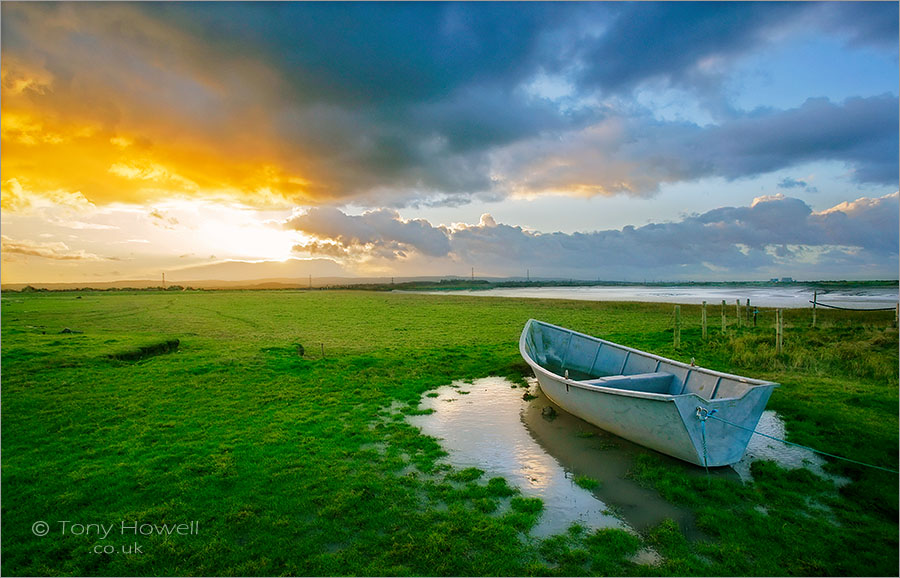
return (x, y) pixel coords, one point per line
(704, 414)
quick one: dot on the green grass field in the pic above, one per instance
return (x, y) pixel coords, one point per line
(295, 465)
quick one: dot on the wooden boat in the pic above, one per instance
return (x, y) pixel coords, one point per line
(653, 401)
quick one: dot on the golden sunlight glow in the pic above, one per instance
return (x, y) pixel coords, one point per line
(228, 231)
(114, 148)
(250, 241)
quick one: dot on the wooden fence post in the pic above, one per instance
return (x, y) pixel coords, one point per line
(748, 311)
(737, 309)
(677, 342)
(703, 319)
(815, 298)
(779, 330)
(723, 316)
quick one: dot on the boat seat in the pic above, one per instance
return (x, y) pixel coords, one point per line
(655, 382)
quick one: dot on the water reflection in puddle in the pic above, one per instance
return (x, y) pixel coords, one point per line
(483, 428)
(488, 425)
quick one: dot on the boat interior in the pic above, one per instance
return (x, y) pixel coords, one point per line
(602, 363)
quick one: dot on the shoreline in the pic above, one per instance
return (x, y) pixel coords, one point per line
(785, 297)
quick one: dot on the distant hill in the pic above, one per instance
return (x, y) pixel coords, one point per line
(290, 271)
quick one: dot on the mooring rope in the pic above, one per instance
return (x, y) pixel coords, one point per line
(709, 415)
(820, 304)
(702, 415)
(705, 453)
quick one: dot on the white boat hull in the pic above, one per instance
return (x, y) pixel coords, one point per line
(659, 419)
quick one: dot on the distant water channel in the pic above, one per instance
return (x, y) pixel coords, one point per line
(785, 296)
(488, 425)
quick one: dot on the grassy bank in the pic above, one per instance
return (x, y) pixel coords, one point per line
(169, 408)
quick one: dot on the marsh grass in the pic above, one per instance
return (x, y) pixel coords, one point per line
(305, 465)
(586, 482)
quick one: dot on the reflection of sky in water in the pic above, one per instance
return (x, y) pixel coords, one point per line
(492, 428)
(484, 430)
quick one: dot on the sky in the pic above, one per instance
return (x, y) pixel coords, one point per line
(612, 141)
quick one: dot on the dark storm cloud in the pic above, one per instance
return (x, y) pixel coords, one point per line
(361, 52)
(669, 41)
(365, 53)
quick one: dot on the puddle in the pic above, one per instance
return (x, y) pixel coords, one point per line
(492, 428)
(483, 429)
(583, 449)
(488, 425)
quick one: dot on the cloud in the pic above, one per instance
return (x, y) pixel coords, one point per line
(50, 250)
(380, 233)
(161, 219)
(143, 170)
(694, 46)
(359, 54)
(874, 24)
(81, 225)
(673, 42)
(774, 233)
(17, 197)
(867, 223)
(792, 183)
(637, 154)
(283, 104)
(854, 132)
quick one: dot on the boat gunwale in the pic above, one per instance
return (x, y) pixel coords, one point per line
(753, 383)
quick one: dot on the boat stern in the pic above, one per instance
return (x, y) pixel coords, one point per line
(723, 441)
